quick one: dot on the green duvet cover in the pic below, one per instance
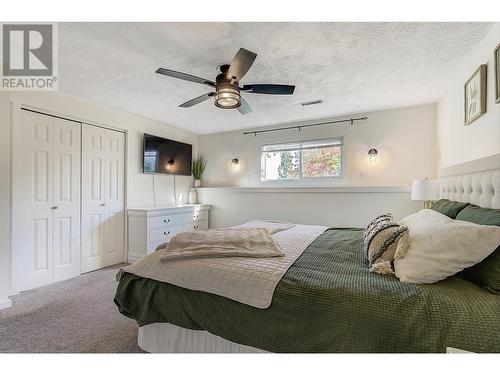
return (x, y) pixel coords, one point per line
(328, 301)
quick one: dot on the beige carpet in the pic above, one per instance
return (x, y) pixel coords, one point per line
(75, 316)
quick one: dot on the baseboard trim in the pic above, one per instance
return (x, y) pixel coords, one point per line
(132, 259)
(5, 304)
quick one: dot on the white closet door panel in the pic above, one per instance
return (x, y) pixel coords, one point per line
(115, 198)
(114, 238)
(102, 197)
(32, 201)
(93, 174)
(67, 143)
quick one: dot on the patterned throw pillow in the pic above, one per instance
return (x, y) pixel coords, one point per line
(381, 238)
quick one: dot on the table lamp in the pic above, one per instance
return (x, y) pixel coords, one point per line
(425, 190)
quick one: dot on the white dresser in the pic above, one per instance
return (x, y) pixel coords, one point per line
(152, 226)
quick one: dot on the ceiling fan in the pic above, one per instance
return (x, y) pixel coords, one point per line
(227, 93)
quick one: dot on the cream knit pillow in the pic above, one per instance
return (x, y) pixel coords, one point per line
(440, 247)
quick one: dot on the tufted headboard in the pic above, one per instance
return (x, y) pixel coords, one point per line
(476, 182)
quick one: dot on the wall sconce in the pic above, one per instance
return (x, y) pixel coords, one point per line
(372, 156)
(234, 163)
(170, 164)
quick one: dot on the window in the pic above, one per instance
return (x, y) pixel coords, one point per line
(302, 160)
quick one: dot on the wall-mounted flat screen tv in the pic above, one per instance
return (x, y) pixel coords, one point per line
(166, 156)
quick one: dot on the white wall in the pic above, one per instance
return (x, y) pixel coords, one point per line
(4, 199)
(338, 207)
(139, 185)
(458, 143)
(404, 137)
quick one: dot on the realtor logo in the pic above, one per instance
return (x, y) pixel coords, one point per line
(29, 57)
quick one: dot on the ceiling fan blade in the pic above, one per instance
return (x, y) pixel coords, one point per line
(185, 77)
(197, 100)
(241, 63)
(244, 107)
(269, 89)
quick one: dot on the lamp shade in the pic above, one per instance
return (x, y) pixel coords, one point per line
(425, 190)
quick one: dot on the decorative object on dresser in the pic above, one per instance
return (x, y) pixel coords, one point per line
(153, 226)
(497, 73)
(193, 196)
(475, 95)
(199, 165)
(425, 190)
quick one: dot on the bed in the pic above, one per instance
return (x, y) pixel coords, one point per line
(328, 301)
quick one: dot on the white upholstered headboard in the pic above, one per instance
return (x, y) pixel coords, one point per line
(476, 182)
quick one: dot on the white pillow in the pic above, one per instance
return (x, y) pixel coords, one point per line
(440, 247)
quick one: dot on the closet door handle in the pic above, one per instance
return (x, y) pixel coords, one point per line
(103, 204)
(54, 208)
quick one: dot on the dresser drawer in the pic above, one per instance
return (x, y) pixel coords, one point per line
(163, 234)
(200, 216)
(150, 227)
(164, 221)
(187, 218)
(200, 225)
(187, 227)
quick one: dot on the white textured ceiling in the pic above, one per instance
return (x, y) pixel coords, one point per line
(353, 67)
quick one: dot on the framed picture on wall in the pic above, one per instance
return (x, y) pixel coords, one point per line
(497, 73)
(475, 95)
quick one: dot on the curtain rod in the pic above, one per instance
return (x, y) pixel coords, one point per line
(300, 127)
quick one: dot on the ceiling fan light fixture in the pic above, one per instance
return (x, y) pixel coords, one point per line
(227, 84)
(227, 97)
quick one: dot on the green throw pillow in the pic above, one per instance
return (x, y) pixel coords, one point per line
(448, 208)
(486, 274)
(480, 215)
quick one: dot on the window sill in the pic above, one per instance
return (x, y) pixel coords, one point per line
(312, 189)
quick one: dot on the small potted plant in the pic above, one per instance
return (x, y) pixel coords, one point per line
(198, 167)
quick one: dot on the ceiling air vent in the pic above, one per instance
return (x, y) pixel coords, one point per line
(317, 101)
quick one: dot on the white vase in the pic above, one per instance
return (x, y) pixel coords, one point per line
(193, 196)
(197, 183)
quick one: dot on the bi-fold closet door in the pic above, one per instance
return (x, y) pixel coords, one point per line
(103, 211)
(67, 199)
(46, 200)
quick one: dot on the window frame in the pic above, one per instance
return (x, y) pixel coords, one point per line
(314, 181)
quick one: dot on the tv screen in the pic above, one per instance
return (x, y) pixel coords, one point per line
(166, 156)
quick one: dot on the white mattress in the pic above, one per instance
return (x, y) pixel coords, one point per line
(168, 338)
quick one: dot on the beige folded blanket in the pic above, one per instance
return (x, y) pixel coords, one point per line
(274, 226)
(228, 242)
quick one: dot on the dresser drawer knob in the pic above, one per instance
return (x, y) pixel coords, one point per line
(166, 220)
(166, 232)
